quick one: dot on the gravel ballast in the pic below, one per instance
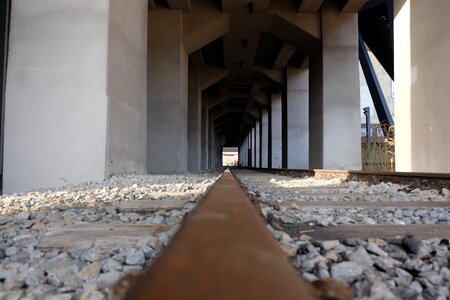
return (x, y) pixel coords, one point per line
(29, 272)
(404, 267)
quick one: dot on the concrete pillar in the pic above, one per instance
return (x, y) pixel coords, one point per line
(298, 117)
(265, 137)
(257, 145)
(167, 93)
(276, 131)
(75, 106)
(204, 133)
(194, 121)
(422, 88)
(335, 141)
(254, 158)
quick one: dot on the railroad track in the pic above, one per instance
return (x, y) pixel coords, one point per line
(224, 251)
(252, 238)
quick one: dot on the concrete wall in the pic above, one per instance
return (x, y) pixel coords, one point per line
(422, 86)
(276, 131)
(127, 87)
(167, 108)
(298, 117)
(56, 99)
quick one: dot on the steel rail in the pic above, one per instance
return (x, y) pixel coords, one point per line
(222, 251)
(413, 179)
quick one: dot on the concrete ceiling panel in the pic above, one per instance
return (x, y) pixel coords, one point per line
(239, 49)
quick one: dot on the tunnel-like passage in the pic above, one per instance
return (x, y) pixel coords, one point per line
(161, 86)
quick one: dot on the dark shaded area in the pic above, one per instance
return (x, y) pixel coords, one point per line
(376, 25)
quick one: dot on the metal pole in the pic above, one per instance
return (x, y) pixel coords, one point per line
(366, 111)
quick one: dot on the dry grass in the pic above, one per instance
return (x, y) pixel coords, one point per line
(379, 155)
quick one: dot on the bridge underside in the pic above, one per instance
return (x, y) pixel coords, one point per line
(162, 86)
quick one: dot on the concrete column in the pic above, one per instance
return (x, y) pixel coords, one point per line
(422, 89)
(194, 121)
(265, 137)
(254, 158)
(298, 117)
(257, 145)
(204, 133)
(335, 141)
(276, 132)
(75, 106)
(167, 93)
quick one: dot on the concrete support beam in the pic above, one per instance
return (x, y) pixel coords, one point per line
(335, 123)
(214, 100)
(194, 121)
(196, 59)
(283, 57)
(78, 119)
(309, 6)
(261, 98)
(276, 131)
(265, 138)
(210, 76)
(200, 29)
(298, 117)
(184, 5)
(167, 93)
(352, 5)
(422, 106)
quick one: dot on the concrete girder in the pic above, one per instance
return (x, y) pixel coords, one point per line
(309, 6)
(299, 30)
(210, 76)
(283, 57)
(201, 29)
(276, 76)
(256, 87)
(261, 98)
(352, 5)
(213, 101)
(151, 4)
(196, 59)
(252, 112)
(244, 6)
(184, 5)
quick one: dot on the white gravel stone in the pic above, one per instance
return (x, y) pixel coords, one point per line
(402, 268)
(66, 273)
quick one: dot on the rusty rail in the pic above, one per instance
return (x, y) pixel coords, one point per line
(413, 179)
(223, 251)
